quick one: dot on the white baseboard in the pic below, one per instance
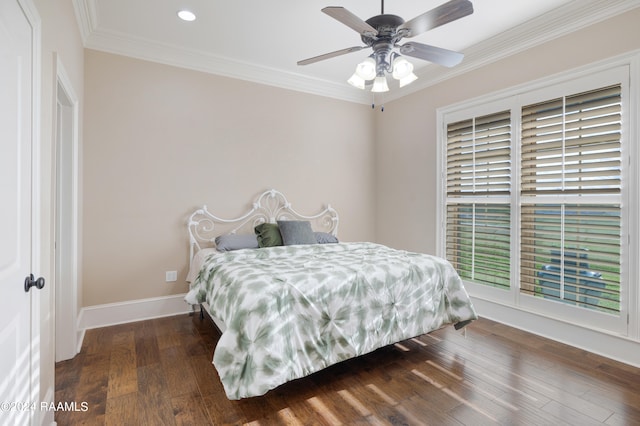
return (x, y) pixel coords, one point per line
(131, 311)
(611, 346)
(79, 339)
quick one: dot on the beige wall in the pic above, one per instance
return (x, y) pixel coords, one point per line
(406, 145)
(60, 37)
(161, 141)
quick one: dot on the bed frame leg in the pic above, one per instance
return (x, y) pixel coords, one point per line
(201, 313)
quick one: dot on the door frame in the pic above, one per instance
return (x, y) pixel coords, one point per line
(65, 250)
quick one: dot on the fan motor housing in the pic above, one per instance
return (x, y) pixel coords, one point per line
(386, 25)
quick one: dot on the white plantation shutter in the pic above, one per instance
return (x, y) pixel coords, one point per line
(478, 195)
(571, 152)
(479, 156)
(540, 196)
(572, 145)
(478, 242)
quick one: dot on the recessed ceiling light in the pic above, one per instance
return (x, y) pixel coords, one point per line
(186, 15)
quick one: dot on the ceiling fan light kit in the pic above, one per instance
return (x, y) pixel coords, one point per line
(382, 34)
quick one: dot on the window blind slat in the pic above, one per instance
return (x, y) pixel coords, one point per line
(592, 142)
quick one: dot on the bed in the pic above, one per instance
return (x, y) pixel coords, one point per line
(286, 311)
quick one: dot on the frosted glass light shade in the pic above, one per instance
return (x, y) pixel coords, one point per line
(401, 68)
(366, 69)
(356, 81)
(408, 79)
(380, 84)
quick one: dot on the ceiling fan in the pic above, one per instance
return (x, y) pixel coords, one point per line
(383, 32)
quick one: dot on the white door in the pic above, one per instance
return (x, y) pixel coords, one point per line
(19, 382)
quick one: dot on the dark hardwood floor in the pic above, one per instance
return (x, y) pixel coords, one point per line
(159, 372)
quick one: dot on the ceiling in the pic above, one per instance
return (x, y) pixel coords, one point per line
(261, 41)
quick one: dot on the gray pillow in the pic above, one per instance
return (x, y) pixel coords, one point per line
(230, 242)
(325, 238)
(296, 232)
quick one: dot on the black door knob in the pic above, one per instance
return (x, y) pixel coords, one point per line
(31, 282)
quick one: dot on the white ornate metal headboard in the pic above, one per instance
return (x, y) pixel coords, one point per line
(270, 207)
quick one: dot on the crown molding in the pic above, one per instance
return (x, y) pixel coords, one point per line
(86, 16)
(556, 23)
(140, 48)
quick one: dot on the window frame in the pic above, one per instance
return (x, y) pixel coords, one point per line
(615, 71)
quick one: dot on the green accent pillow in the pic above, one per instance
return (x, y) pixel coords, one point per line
(268, 235)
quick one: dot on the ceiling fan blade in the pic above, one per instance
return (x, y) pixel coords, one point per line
(330, 55)
(437, 55)
(350, 20)
(445, 13)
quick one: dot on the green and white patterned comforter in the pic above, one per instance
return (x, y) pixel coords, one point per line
(294, 310)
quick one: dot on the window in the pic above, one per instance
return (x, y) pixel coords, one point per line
(478, 190)
(571, 152)
(535, 196)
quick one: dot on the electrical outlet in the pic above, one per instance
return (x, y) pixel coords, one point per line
(172, 276)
